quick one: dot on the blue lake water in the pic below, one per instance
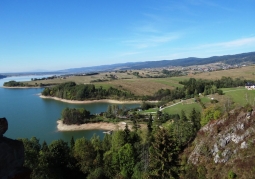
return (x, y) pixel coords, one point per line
(28, 115)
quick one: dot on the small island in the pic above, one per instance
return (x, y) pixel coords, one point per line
(15, 84)
(114, 118)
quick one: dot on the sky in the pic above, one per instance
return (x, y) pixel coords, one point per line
(37, 35)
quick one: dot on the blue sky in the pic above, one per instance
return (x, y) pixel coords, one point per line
(60, 34)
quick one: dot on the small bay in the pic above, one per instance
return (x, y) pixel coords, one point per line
(29, 115)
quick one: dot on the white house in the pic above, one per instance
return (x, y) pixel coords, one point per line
(250, 86)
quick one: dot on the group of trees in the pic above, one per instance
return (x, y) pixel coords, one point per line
(14, 84)
(75, 116)
(115, 111)
(151, 153)
(172, 73)
(44, 78)
(72, 91)
(21, 84)
(193, 87)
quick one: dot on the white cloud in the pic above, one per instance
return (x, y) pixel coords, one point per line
(239, 42)
(230, 44)
(151, 41)
(206, 50)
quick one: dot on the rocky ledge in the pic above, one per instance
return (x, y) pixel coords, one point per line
(11, 156)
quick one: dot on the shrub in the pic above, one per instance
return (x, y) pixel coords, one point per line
(231, 175)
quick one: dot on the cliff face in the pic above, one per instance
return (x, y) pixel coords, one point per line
(226, 145)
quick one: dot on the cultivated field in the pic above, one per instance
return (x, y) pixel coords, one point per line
(243, 73)
(148, 86)
(143, 86)
(124, 81)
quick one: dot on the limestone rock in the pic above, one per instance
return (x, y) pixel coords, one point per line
(243, 145)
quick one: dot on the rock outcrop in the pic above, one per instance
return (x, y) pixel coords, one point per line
(11, 156)
(221, 139)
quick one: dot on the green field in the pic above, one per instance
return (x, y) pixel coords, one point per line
(240, 96)
(187, 108)
(205, 99)
(151, 110)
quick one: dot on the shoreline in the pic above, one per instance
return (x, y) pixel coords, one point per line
(91, 126)
(91, 101)
(20, 87)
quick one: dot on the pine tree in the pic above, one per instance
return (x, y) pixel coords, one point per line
(163, 156)
(183, 116)
(194, 117)
(72, 143)
(149, 125)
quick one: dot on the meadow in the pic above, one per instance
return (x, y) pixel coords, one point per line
(241, 95)
(142, 85)
(247, 72)
(186, 105)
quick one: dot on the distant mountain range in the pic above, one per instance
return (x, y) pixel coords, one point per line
(242, 58)
(2, 76)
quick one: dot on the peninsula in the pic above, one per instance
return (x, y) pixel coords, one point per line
(90, 126)
(94, 101)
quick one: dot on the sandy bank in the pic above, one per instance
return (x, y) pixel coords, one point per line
(91, 126)
(21, 87)
(91, 101)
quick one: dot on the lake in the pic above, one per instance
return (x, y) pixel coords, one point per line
(29, 115)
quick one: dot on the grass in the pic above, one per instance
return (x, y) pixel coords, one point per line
(142, 86)
(151, 110)
(187, 108)
(104, 86)
(205, 99)
(241, 96)
(243, 73)
(148, 86)
(168, 81)
(232, 89)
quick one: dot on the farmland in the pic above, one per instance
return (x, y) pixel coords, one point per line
(141, 84)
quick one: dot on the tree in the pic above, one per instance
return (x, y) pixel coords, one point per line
(84, 154)
(163, 156)
(210, 113)
(126, 134)
(149, 125)
(32, 148)
(59, 159)
(107, 142)
(194, 117)
(72, 143)
(183, 116)
(126, 160)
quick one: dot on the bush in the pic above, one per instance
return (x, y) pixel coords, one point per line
(231, 175)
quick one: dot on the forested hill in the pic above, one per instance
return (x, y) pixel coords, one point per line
(228, 59)
(2, 76)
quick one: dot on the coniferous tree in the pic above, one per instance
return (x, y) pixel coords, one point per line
(183, 116)
(163, 156)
